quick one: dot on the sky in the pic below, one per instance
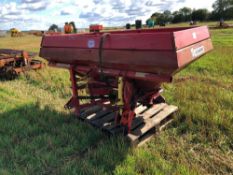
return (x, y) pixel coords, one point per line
(40, 14)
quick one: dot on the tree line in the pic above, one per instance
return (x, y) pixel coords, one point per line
(222, 9)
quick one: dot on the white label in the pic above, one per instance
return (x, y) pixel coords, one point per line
(194, 35)
(140, 74)
(62, 65)
(198, 51)
(91, 43)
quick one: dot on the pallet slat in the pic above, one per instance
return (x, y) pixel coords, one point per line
(150, 124)
(136, 122)
(97, 115)
(89, 111)
(117, 129)
(143, 128)
(153, 110)
(140, 109)
(101, 122)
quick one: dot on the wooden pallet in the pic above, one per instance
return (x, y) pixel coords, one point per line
(147, 122)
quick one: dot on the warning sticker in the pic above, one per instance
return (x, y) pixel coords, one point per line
(194, 35)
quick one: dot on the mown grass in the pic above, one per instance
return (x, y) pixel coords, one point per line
(37, 136)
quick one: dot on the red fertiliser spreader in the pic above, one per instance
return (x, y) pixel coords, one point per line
(116, 76)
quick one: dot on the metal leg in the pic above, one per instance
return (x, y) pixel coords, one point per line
(129, 104)
(75, 99)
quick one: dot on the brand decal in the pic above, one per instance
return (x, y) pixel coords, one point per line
(196, 52)
(91, 43)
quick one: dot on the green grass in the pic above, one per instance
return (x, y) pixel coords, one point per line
(38, 136)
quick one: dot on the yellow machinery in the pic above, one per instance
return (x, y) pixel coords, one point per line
(15, 32)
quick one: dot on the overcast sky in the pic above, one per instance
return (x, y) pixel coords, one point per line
(40, 14)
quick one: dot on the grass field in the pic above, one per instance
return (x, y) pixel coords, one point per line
(37, 136)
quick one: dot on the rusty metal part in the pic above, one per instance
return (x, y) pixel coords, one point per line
(13, 62)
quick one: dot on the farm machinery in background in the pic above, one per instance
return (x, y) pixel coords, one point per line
(15, 32)
(13, 62)
(116, 77)
(95, 28)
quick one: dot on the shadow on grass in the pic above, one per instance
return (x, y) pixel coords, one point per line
(5, 78)
(35, 140)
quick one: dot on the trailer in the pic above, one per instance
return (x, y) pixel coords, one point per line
(116, 76)
(95, 28)
(13, 62)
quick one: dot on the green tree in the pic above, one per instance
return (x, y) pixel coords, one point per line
(200, 15)
(155, 15)
(177, 17)
(222, 8)
(164, 17)
(53, 27)
(167, 16)
(186, 12)
(229, 13)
